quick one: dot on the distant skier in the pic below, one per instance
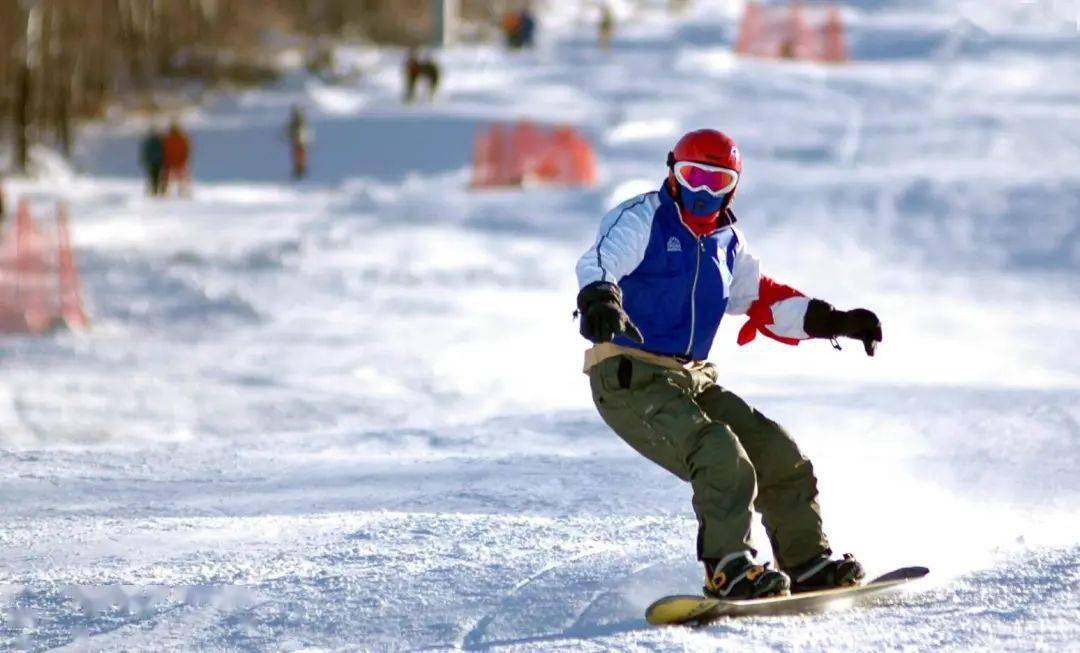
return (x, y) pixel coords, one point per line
(527, 28)
(177, 160)
(152, 155)
(421, 66)
(665, 268)
(606, 26)
(412, 73)
(299, 141)
(519, 28)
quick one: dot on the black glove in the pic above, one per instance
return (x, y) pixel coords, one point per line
(824, 321)
(602, 314)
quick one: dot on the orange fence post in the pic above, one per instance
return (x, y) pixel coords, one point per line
(799, 35)
(585, 159)
(553, 168)
(30, 273)
(11, 316)
(834, 45)
(482, 157)
(568, 160)
(750, 31)
(506, 168)
(529, 146)
(72, 310)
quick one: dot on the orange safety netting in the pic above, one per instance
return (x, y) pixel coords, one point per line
(39, 283)
(788, 33)
(519, 154)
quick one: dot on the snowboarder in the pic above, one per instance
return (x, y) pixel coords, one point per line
(152, 154)
(665, 267)
(299, 140)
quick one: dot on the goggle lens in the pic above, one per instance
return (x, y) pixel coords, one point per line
(696, 176)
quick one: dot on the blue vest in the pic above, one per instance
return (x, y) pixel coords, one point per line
(677, 294)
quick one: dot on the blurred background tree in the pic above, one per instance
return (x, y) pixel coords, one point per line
(68, 61)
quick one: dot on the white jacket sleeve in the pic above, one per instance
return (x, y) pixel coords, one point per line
(620, 242)
(745, 277)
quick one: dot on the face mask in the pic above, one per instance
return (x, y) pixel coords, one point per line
(701, 202)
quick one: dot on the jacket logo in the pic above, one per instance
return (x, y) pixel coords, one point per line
(673, 245)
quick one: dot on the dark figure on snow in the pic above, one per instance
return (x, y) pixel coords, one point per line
(421, 67)
(665, 268)
(152, 155)
(787, 49)
(519, 28)
(606, 26)
(299, 141)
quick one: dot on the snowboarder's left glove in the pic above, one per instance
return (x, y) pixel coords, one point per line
(602, 314)
(824, 321)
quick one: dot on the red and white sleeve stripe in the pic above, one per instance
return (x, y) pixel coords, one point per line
(778, 313)
(775, 310)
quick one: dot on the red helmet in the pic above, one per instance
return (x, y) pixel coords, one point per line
(710, 147)
(707, 146)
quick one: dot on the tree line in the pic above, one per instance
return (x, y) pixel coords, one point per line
(69, 60)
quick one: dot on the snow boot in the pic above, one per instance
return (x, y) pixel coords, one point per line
(736, 577)
(822, 573)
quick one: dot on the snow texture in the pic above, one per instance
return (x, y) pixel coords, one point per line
(347, 414)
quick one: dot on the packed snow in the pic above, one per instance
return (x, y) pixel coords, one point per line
(348, 413)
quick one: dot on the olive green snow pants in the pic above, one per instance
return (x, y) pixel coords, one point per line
(735, 458)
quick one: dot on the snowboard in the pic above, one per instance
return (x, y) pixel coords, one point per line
(698, 609)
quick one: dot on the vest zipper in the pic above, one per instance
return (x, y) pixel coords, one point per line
(693, 295)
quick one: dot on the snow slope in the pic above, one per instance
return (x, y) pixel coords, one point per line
(348, 414)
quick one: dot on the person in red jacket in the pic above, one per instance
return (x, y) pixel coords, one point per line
(177, 160)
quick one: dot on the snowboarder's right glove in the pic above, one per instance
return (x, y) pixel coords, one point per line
(602, 314)
(824, 321)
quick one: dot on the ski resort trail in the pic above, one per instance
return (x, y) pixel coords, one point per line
(348, 413)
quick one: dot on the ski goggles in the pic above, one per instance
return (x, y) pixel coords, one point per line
(714, 180)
